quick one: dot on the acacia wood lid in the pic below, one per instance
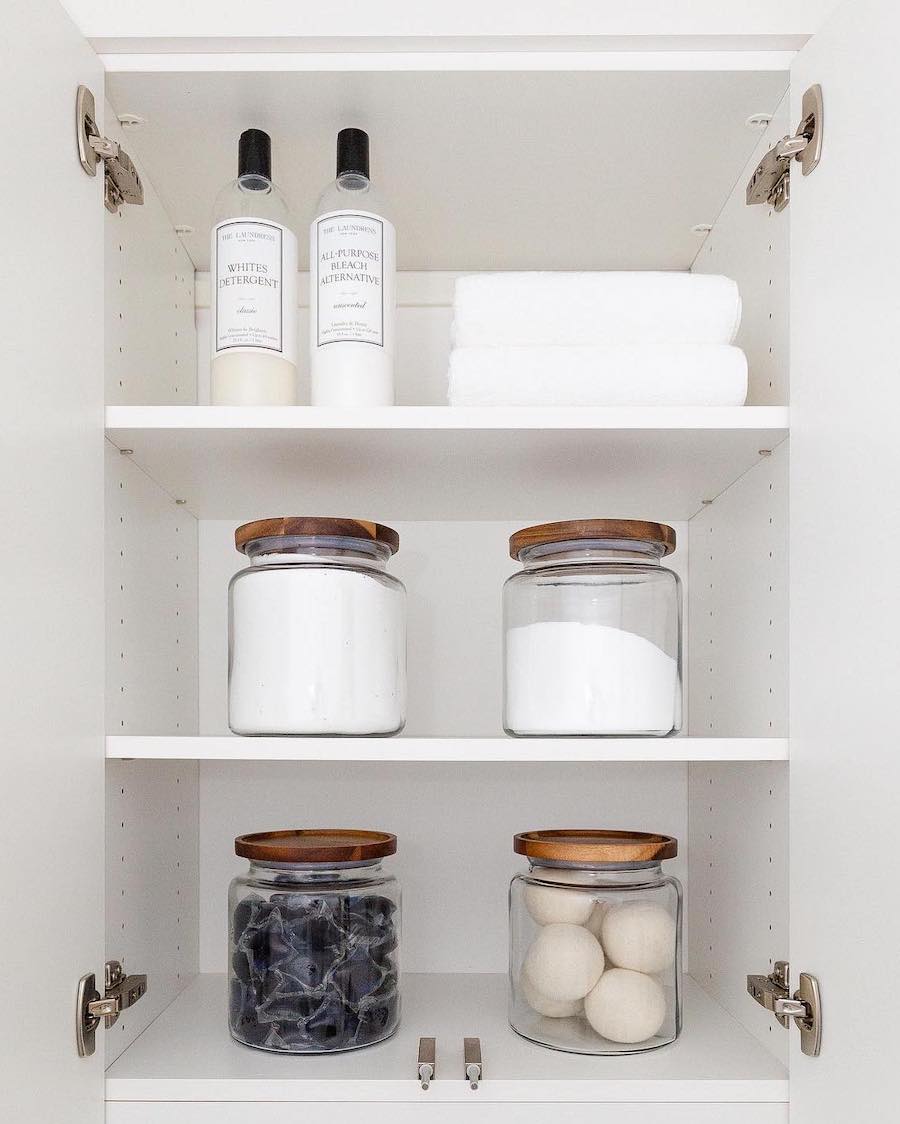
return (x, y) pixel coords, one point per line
(590, 845)
(316, 845)
(571, 530)
(305, 525)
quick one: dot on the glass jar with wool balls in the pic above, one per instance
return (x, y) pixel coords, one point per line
(595, 941)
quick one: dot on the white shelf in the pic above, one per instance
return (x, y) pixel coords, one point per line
(230, 748)
(441, 462)
(188, 1055)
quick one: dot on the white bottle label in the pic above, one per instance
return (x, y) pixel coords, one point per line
(349, 277)
(254, 271)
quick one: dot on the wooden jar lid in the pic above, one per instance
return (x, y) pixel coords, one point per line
(304, 525)
(595, 846)
(316, 845)
(571, 530)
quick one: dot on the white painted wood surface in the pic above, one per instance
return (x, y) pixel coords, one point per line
(455, 828)
(149, 314)
(750, 245)
(230, 748)
(152, 884)
(845, 614)
(188, 1055)
(51, 484)
(428, 463)
(537, 192)
(739, 606)
(475, 1112)
(381, 19)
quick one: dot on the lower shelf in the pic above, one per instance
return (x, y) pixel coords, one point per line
(188, 1055)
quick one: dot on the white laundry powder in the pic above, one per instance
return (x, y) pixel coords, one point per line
(565, 677)
(317, 650)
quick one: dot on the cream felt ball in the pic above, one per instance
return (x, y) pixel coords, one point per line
(595, 922)
(564, 962)
(552, 1008)
(549, 904)
(640, 936)
(625, 1006)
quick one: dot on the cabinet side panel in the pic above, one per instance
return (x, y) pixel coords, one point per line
(738, 906)
(151, 884)
(738, 607)
(751, 244)
(151, 605)
(150, 334)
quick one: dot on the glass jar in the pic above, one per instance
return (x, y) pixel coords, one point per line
(592, 631)
(314, 941)
(595, 942)
(317, 630)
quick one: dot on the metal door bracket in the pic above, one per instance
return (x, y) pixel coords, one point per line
(425, 1062)
(120, 992)
(472, 1056)
(804, 1007)
(121, 179)
(771, 182)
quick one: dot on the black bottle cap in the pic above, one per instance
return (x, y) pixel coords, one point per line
(353, 152)
(255, 154)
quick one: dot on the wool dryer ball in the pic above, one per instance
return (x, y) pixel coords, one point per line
(595, 922)
(639, 936)
(549, 904)
(625, 1006)
(551, 1008)
(564, 962)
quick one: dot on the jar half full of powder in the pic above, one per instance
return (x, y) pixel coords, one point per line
(592, 630)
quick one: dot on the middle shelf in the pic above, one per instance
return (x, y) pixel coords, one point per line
(439, 462)
(229, 748)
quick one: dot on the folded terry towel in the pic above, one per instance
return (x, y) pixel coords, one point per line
(543, 309)
(644, 375)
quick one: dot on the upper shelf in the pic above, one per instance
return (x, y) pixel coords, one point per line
(441, 462)
(187, 1055)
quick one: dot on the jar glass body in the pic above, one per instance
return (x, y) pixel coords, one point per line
(314, 957)
(592, 642)
(317, 639)
(595, 957)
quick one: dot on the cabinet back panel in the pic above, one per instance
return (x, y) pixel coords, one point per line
(454, 574)
(455, 827)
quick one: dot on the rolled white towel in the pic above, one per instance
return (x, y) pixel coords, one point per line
(644, 375)
(571, 309)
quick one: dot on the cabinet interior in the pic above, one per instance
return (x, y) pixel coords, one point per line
(599, 170)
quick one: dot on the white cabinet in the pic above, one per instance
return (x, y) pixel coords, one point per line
(787, 744)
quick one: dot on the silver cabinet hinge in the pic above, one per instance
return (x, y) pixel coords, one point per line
(804, 1007)
(119, 993)
(771, 182)
(122, 182)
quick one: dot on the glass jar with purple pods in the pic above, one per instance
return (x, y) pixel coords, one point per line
(314, 941)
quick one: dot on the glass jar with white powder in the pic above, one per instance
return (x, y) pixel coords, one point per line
(592, 627)
(317, 629)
